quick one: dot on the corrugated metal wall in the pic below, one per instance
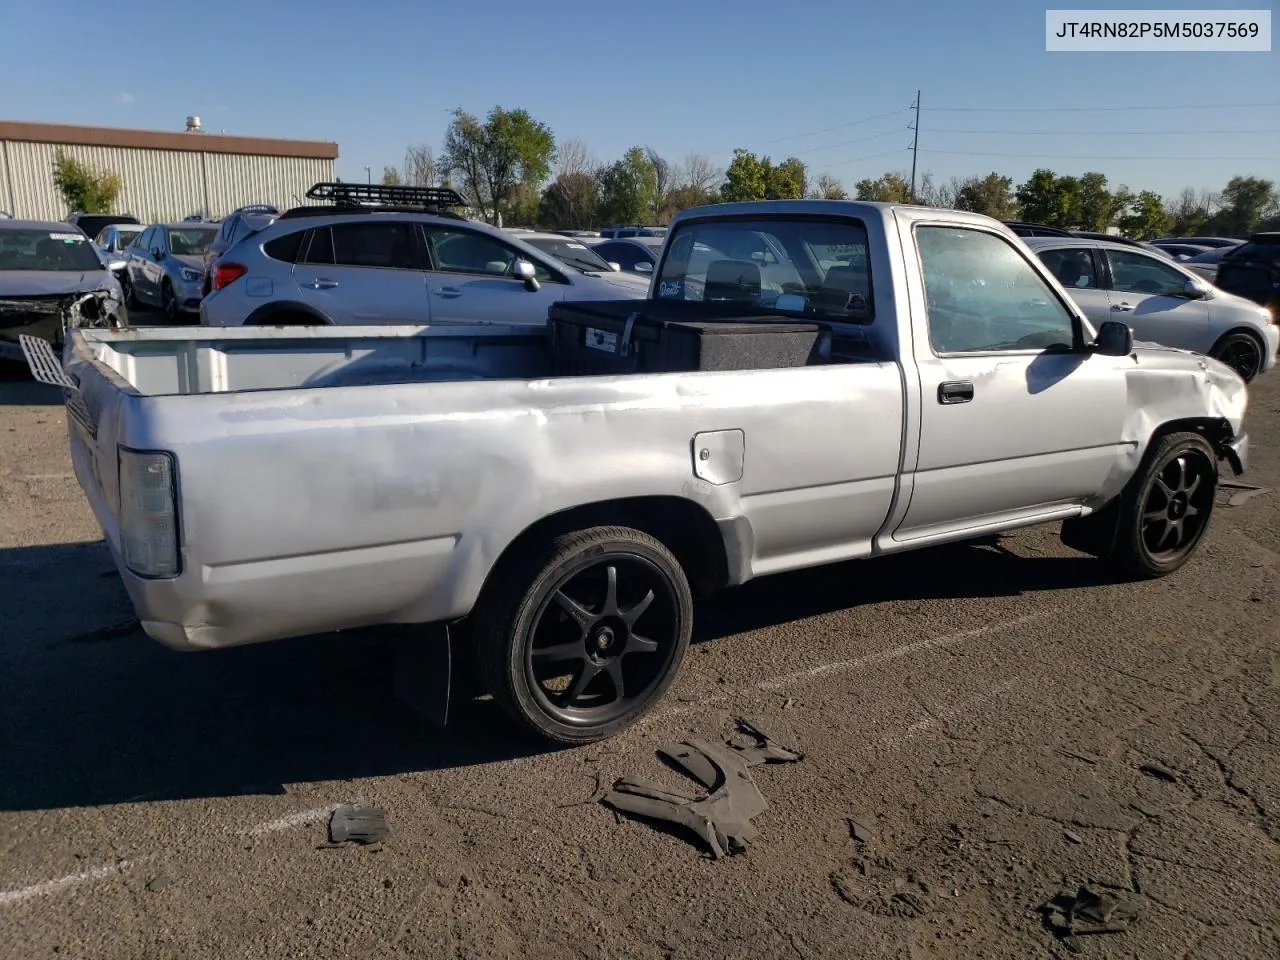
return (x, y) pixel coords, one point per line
(158, 185)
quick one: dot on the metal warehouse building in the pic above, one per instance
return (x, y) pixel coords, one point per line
(165, 175)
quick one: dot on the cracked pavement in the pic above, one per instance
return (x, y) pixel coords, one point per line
(1007, 721)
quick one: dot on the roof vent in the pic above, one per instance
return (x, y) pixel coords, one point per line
(193, 125)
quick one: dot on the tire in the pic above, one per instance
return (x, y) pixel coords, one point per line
(623, 645)
(1242, 352)
(168, 303)
(1164, 511)
(130, 299)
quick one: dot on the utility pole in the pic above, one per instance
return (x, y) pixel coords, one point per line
(915, 146)
(368, 176)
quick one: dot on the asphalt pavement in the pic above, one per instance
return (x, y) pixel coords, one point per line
(1001, 720)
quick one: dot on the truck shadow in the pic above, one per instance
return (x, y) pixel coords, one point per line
(93, 712)
(18, 389)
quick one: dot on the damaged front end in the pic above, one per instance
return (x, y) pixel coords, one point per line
(52, 317)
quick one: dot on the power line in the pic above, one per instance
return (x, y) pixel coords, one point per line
(1064, 156)
(1180, 107)
(1100, 133)
(845, 143)
(838, 126)
(872, 156)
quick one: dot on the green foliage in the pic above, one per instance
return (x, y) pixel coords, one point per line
(829, 188)
(891, 188)
(746, 178)
(84, 189)
(1245, 202)
(492, 158)
(628, 188)
(991, 195)
(390, 177)
(1096, 207)
(570, 202)
(1048, 198)
(786, 181)
(1144, 217)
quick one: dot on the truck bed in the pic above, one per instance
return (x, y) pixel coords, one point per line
(167, 361)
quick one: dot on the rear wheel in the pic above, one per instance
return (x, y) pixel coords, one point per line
(1165, 510)
(578, 638)
(1242, 352)
(168, 303)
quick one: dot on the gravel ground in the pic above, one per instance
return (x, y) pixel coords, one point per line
(986, 710)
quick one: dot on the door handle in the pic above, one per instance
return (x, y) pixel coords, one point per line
(321, 283)
(1121, 306)
(448, 292)
(955, 391)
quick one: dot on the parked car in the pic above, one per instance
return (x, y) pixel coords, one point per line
(1205, 264)
(620, 232)
(344, 264)
(572, 252)
(566, 489)
(165, 267)
(237, 225)
(1200, 241)
(111, 242)
(578, 233)
(45, 268)
(1162, 302)
(91, 224)
(1182, 252)
(1024, 229)
(632, 255)
(1252, 270)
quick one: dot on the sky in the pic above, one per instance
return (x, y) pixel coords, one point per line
(828, 82)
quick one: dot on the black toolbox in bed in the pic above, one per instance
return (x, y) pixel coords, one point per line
(599, 337)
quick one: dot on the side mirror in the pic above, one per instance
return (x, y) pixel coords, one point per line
(1195, 290)
(614, 265)
(523, 270)
(644, 266)
(1115, 339)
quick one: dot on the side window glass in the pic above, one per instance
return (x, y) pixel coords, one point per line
(1073, 268)
(386, 245)
(983, 296)
(1134, 273)
(321, 249)
(285, 247)
(462, 251)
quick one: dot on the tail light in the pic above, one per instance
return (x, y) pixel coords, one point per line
(227, 273)
(149, 512)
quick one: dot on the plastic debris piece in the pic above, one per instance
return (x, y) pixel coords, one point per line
(1090, 910)
(356, 824)
(1159, 771)
(862, 829)
(766, 749)
(1236, 499)
(1073, 837)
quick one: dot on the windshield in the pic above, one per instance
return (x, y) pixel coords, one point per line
(29, 249)
(571, 252)
(814, 267)
(190, 241)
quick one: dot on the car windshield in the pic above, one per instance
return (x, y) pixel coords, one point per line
(1259, 248)
(31, 249)
(813, 267)
(1209, 256)
(571, 252)
(190, 241)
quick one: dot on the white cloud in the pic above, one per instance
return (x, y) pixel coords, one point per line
(125, 98)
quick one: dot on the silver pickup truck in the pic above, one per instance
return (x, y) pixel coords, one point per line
(808, 382)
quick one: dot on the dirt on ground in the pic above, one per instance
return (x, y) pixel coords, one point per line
(1001, 720)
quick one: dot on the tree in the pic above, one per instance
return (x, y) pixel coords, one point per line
(746, 178)
(628, 188)
(419, 168)
(491, 158)
(1245, 201)
(1190, 212)
(1048, 198)
(891, 188)
(699, 173)
(933, 194)
(663, 181)
(573, 156)
(991, 195)
(786, 181)
(1145, 217)
(570, 202)
(390, 177)
(84, 189)
(1097, 206)
(829, 188)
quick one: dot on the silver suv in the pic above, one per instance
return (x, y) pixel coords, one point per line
(372, 258)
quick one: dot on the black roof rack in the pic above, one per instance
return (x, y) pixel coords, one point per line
(378, 198)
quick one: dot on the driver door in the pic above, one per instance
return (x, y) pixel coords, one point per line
(1018, 421)
(1150, 297)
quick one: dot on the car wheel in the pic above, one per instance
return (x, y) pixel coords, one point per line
(130, 299)
(1241, 352)
(578, 638)
(1164, 512)
(168, 303)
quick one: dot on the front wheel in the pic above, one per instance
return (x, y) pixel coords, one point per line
(1242, 353)
(1165, 510)
(168, 303)
(577, 639)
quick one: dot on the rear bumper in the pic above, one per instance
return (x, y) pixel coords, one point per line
(1236, 452)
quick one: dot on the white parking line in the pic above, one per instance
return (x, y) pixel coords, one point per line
(299, 819)
(62, 883)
